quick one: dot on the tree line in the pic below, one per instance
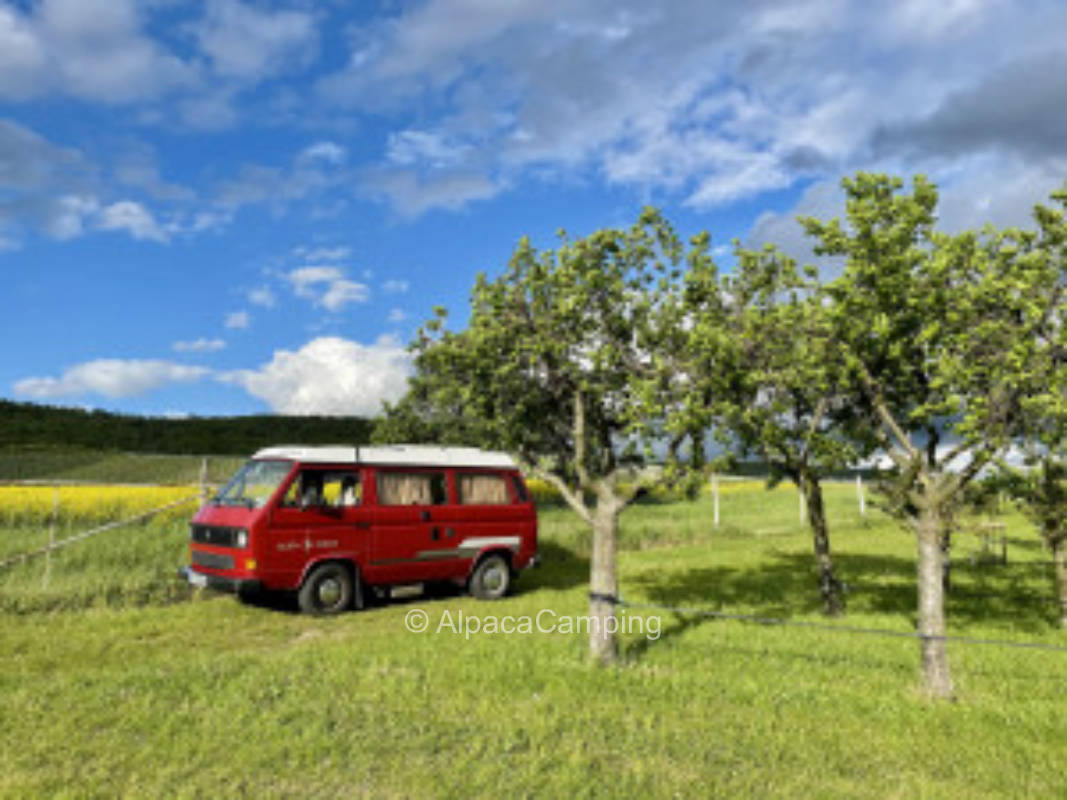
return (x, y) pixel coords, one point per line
(25, 425)
(940, 351)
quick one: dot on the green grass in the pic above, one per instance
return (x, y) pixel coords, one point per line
(212, 697)
(105, 466)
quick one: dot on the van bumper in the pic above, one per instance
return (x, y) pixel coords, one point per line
(245, 587)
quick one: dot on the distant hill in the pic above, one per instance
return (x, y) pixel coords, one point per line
(27, 425)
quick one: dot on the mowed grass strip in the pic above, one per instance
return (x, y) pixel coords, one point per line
(214, 697)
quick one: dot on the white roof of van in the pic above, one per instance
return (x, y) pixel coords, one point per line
(396, 454)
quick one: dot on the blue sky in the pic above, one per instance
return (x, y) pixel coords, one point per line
(228, 207)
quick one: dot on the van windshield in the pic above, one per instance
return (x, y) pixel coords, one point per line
(253, 484)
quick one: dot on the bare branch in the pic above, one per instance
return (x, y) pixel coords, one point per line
(573, 499)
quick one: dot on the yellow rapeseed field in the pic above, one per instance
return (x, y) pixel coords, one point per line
(35, 505)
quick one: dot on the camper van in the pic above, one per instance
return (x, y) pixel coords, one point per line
(334, 523)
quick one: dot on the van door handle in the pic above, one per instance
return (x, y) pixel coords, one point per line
(424, 515)
(363, 525)
(434, 534)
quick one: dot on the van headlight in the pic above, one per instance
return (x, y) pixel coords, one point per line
(240, 539)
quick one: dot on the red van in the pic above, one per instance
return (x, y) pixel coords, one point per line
(333, 522)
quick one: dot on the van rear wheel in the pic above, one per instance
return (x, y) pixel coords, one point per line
(326, 590)
(491, 579)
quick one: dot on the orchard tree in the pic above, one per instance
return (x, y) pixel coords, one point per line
(788, 397)
(562, 364)
(1041, 488)
(941, 332)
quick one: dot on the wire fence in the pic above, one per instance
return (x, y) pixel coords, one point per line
(822, 626)
(69, 540)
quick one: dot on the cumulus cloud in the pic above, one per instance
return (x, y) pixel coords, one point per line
(133, 218)
(713, 108)
(237, 320)
(330, 376)
(395, 286)
(249, 42)
(1017, 108)
(397, 315)
(201, 345)
(90, 49)
(327, 287)
(112, 378)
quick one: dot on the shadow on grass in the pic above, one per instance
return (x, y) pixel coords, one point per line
(560, 568)
(785, 587)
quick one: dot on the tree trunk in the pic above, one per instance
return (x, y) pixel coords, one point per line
(934, 655)
(829, 586)
(1059, 558)
(603, 583)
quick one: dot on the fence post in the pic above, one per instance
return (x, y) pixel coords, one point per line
(203, 480)
(715, 495)
(859, 494)
(51, 537)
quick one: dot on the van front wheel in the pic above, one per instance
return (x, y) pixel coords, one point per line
(326, 590)
(491, 579)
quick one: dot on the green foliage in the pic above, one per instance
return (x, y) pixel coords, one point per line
(944, 332)
(562, 361)
(25, 425)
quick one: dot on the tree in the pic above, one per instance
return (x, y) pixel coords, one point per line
(788, 398)
(562, 364)
(941, 332)
(1041, 488)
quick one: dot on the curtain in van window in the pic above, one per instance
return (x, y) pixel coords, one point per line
(488, 490)
(396, 489)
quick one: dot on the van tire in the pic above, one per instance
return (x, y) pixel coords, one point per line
(491, 579)
(326, 590)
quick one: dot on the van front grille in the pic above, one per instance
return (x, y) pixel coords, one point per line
(212, 560)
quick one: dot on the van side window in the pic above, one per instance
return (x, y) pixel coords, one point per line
(483, 490)
(318, 488)
(412, 489)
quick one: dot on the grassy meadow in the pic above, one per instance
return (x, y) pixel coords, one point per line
(146, 689)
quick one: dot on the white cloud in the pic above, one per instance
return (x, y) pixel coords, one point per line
(342, 293)
(328, 152)
(397, 315)
(424, 147)
(411, 194)
(330, 376)
(327, 287)
(247, 42)
(237, 320)
(261, 296)
(712, 105)
(316, 255)
(90, 49)
(395, 286)
(112, 378)
(201, 345)
(133, 218)
(69, 214)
